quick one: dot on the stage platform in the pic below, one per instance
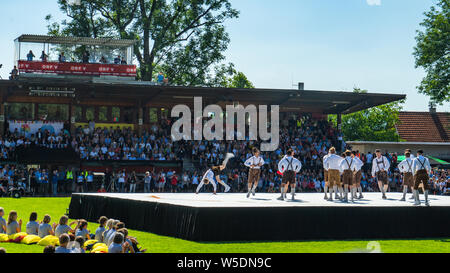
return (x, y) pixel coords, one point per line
(233, 217)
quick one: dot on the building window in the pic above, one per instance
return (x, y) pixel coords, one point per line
(153, 115)
(103, 113)
(115, 113)
(90, 113)
(19, 111)
(53, 112)
(164, 113)
(78, 113)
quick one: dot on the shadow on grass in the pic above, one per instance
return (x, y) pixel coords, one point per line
(444, 240)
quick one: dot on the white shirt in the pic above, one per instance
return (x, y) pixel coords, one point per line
(383, 165)
(254, 161)
(418, 166)
(325, 158)
(333, 162)
(357, 165)
(283, 165)
(406, 166)
(347, 164)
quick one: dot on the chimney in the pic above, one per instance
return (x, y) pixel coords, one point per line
(301, 86)
(432, 106)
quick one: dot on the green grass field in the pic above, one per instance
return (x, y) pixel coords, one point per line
(56, 207)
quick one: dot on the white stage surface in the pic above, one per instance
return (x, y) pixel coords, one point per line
(234, 200)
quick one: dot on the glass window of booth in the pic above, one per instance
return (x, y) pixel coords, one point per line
(90, 113)
(19, 111)
(153, 115)
(53, 112)
(115, 114)
(78, 113)
(103, 113)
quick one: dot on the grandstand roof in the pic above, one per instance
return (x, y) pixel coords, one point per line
(424, 126)
(29, 38)
(290, 100)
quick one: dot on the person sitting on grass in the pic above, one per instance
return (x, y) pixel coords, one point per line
(117, 244)
(32, 227)
(49, 249)
(45, 228)
(80, 241)
(63, 227)
(109, 234)
(2, 250)
(82, 230)
(110, 237)
(64, 240)
(101, 229)
(2, 221)
(128, 247)
(13, 226)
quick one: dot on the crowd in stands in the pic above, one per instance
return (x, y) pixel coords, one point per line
(111, 236)
(85, 58)
(309, 138)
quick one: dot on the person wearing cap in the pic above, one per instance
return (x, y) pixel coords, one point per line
(332, 164)
(380, 167)
(254, 164)
(147, 182)
(357, 166)
(347, 166)
(422, 170)
(406, 168)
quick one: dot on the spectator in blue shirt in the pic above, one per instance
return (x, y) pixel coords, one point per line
(30, 56)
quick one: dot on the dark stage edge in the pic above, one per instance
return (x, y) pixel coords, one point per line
(228, 224)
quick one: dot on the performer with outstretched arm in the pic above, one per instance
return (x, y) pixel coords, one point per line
(289, 166)
(254, 163)
(212, 176)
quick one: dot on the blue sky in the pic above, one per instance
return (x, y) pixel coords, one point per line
(328, 44)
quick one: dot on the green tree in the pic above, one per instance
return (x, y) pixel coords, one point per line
(433, 52)
(374, 124)
(183, 38)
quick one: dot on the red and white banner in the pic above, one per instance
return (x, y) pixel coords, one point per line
(78, 68)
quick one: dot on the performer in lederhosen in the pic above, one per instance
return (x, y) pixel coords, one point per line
(332, 163)
(422, 170)
(254, 163)
(289, 166)
(346, 167)
(357, 176)
(380, 168)
(212, 176)
(406, 168)
(325, 176)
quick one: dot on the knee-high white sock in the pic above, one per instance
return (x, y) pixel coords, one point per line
(360, 190)
(199, 186)
(405, 190)
(254, 186)
(249, 188)
(325, 190)
(341, 191)
(426, 196)
(335, 189)
(293, 190)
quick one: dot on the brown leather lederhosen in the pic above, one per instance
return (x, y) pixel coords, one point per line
(408, 177)
(347, 175)
(381, 175)
(289, 175)
(421, 177)
(253, 175)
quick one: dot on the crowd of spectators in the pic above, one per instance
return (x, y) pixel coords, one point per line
(85, 58)
(309, 138)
